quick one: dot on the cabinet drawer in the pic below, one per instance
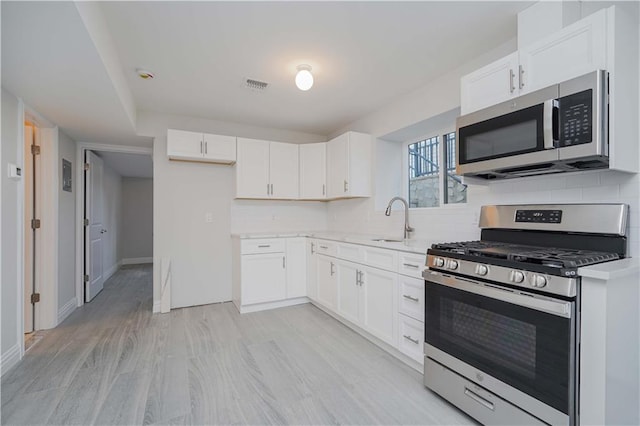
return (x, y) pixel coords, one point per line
(380, 258)
(257, 246)
(412, 264)
(350, 252)
(326, 247)
(411, 297)
(411, 338)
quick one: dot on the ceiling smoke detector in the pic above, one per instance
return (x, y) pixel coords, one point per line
(256, 84)
(144, 74)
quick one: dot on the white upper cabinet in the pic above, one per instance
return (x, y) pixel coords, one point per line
(283, 170)
(573, 51)
(252, 169)
(349, 166)
(266, 170)
(204, 147)
(313, 171)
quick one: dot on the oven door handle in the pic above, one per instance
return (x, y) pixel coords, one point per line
(539, 303)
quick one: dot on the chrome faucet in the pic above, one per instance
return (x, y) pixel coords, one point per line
(407, 228)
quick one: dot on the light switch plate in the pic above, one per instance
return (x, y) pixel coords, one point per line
(15, 172)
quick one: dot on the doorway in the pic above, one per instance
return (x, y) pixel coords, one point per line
(32, 188)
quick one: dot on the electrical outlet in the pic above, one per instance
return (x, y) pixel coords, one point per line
(208, 217)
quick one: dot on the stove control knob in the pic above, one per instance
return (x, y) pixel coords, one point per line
(453, 265)
(482, 270)
(539, 281)
(517, 276)
(438, 262)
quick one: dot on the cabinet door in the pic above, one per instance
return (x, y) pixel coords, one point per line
(252, 169)
(360, 157)
(296, 267)
(571, 52)
(338, 166)
(219, 148)
(380, 307)
(312, 269)
(283, 170)
(313, 171)
(183, 145)
(263, 278)
(327, 290)
(348, 291)
(490, 85)
(411, 338)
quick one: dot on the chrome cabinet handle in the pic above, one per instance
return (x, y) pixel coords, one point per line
(410, 265)
(264, 245)
(323, 189)
(201, 147)
(521, 76)
(206, 146)
(312, 247)
(332, 270)
(324, 247)
(512, 76)
(416, 341)
(414, 299)
(361, 278)
(477, 398)
(346, 186)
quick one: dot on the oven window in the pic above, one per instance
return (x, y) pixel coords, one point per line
(527, 349)
(519, 132)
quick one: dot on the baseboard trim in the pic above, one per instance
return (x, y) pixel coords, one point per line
(10, 358)
(136, 260)
(156, 307)
(112, 271)
(245, 309)
(67, 309)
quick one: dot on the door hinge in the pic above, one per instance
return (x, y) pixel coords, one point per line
(86, 222)
(35, 298)
(35, 149)
(35, 223)
(86, 278)
(86, 166)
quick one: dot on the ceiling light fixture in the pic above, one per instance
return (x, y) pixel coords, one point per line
(304, 78)
(144, 74)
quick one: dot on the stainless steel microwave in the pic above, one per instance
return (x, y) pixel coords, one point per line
(560, 128)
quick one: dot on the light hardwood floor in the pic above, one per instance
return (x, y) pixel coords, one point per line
(113, 362)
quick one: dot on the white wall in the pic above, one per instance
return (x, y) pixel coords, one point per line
(11, 124)
(137, 219)
(66, 230)
(111, 216)
(200, 252)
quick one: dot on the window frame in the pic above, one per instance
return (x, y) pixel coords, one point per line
(442, 179)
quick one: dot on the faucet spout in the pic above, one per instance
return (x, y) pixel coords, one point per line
(407, 229)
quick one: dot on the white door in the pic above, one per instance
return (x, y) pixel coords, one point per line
(263, 278)
(93, 231)
(338, 166)
(252, 169)
(348, 291)
(185, 145)
(490, 85)
(327, 291)
(313, 171)
(380, 304)
(283, 170)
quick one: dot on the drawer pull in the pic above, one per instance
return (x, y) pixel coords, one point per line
(324, 247)
(477, 398)
(411, 265)
(264, 245)
(416, 341)
(413, 299)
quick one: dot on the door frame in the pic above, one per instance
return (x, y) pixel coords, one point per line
(81, 148)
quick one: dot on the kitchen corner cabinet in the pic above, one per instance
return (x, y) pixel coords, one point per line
(349, 166)
(312, 269)
(573, 51)
(313, 171)
(201, 147)
(266, 170)
(327, 282)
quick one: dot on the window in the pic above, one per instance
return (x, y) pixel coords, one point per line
(425, 180)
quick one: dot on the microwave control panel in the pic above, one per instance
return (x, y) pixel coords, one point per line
(539, 216)
(576, 118)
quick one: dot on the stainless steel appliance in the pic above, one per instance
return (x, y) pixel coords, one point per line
(502, 314)
(560, 128)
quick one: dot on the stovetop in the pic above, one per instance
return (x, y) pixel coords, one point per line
(523, 255)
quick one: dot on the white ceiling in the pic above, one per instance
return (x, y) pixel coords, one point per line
(363, 54)
(128, 165)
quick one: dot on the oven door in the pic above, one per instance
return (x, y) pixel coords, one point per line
(518, 345)
(510, 135)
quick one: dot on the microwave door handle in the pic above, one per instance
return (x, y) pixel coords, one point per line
(550, 123)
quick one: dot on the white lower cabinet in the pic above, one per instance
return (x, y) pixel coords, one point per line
(296, 266)
(380, 307)
(348, 290)
(411, 337)
(263, 278)
(327, 282)
(312, 269)
(411, 297)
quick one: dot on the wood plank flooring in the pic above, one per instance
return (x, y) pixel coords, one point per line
(113, 362)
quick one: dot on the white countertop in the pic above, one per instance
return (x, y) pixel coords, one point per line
(410, 245)
(610, 270)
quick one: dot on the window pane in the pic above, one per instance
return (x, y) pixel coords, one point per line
(456, 191)
(424, 173)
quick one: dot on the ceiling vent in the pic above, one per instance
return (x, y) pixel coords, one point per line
(256, 85)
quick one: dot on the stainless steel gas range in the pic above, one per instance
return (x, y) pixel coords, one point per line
(502, 314)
